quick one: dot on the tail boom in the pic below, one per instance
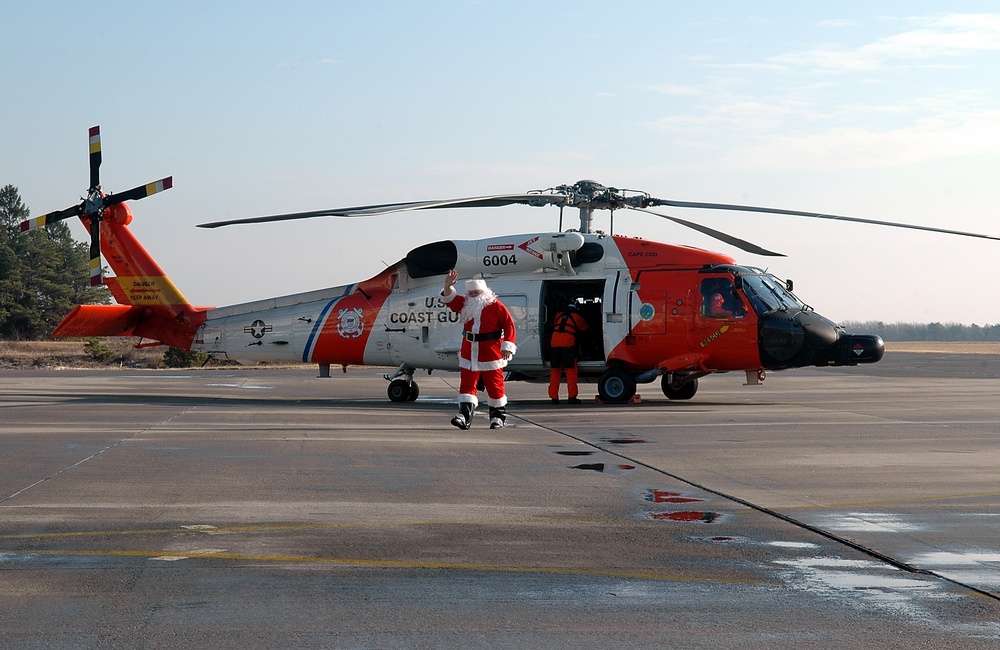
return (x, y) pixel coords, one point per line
(150, 306)
(167, 326)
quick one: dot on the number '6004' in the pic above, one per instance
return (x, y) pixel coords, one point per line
(499, 260)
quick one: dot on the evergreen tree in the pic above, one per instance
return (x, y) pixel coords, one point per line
(43, 273)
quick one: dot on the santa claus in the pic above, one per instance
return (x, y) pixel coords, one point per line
(488, 343)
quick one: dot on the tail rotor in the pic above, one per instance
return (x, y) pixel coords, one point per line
(92, 209)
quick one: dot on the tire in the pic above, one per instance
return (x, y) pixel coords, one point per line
(399, 390)
(684, 391)
(414, 392)
(616, 386)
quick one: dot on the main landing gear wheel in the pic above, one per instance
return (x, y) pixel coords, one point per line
(616, 386)
(401, 390)
(684, 391)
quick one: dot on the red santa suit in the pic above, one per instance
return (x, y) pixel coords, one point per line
(484, 339)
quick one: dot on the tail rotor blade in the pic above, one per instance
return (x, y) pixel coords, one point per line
(51, 217)
(140, 192)
(96, 278)
(95, 157)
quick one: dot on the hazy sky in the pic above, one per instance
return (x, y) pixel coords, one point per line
(881, 110)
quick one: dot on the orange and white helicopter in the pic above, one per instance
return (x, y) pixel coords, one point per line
(654, 310)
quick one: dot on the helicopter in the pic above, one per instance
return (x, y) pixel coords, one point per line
(655, 311)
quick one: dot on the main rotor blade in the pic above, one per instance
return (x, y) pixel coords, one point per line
(51, 217)
(140, 192)
(721, 236)
(95, 157)
(814, 215)
(388, 208)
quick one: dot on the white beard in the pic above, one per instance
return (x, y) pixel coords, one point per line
(473, 307)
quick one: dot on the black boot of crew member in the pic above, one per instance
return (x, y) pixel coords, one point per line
(464, 418)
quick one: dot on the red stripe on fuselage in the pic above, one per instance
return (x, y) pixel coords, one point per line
(348, 326)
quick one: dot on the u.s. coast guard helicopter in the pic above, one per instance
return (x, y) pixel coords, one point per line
(655, 311)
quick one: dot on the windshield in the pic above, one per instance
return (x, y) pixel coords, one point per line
(767, 293)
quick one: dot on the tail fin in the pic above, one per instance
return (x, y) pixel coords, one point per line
(150, 306)
(138, 280)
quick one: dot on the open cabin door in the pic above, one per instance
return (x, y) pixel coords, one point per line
(588, 295)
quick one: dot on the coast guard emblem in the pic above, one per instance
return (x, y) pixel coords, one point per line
(351, 323)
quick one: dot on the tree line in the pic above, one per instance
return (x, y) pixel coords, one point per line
(925, 331)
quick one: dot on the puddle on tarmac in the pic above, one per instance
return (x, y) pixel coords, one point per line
(720, 539)
(687, 515)
(667, 496)
(872, 522)
(841, 574)
(802, 545)
(601, 467)
(623, 441)
(575, 453)
(979, 568)
(864, 583)
(946, 558)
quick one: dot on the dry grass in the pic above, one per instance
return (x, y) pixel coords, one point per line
(71, 354)
(944, 347)
(58, 354)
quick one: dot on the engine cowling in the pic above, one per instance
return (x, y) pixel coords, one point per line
(495, 256)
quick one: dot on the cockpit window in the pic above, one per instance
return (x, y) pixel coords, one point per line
(720, 300)
(767, 294)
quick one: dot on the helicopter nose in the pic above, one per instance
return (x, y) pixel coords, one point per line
(805, 338)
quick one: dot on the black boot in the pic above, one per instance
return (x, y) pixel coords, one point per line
(464, 418)
(498, 417)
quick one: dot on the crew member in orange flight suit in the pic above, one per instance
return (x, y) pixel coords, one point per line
(562, 352)
(488, 343)
(717, 307)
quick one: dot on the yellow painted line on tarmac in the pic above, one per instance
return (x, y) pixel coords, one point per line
(395, 564)
(217, 530)
(381, 563)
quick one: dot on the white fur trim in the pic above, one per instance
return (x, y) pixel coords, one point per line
(481, 365)
(475, 284)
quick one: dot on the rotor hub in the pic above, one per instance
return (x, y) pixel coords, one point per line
(93, 205)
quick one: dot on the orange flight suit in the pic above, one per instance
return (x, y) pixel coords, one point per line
(567, 326)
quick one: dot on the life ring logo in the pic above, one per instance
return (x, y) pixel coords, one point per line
(351, 323)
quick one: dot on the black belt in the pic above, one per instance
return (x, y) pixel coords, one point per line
(482, 336)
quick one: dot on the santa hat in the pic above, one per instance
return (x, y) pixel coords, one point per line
(475, 284)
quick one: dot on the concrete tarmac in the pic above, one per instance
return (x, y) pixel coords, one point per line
(849, 507)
